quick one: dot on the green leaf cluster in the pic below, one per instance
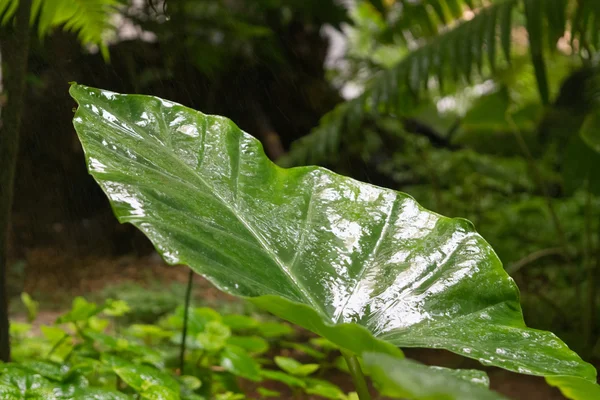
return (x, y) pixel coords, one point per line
(88, 353)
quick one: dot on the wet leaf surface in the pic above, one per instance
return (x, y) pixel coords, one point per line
(358, 264)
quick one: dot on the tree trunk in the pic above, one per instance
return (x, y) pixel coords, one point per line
(15, 48)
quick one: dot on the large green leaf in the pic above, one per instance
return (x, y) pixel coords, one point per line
(345, 259)
(407, 379)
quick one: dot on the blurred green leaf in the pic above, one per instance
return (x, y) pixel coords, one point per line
(403, 378)
(237, 361)
(191, 382)
(214, 337)
(264, 392)
(282, 377)
(324, 389)
(116, 308)
(252, 344)
(81, 311)
(239, 322)
(31, 305)
(294, 367)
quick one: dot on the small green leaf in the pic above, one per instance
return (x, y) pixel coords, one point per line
(252, 344)
(239, 322)
(264, 392)
(107, 342)
(144, 331)
(294, 367)
(190, 382)
(98, 324)
(198, 318)
(237, 361)
(323, 388)
(116, 308)
(214, 337)
(403, 378)
(282, 377)
(31, 305)
(80, 311)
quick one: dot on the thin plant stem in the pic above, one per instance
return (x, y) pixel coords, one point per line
(358, 378)
(537, 175)
(188, 296)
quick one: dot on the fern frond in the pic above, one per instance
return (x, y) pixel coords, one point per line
(427, 18)
(88, 18)
(452, 56)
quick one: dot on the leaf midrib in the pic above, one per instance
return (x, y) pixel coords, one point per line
(233, 210)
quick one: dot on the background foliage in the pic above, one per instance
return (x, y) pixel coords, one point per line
(480, 109)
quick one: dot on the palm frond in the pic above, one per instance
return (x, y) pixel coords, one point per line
(452, 56)
(88, 18)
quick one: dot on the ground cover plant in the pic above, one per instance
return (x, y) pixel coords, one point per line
(92, 352)
(365, 267)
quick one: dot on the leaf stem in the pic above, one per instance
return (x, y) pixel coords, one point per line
(358, 378)
(188, 295)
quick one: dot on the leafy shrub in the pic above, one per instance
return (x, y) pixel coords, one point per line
(81, 357)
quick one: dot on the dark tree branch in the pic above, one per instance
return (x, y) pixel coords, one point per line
(16, 50)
